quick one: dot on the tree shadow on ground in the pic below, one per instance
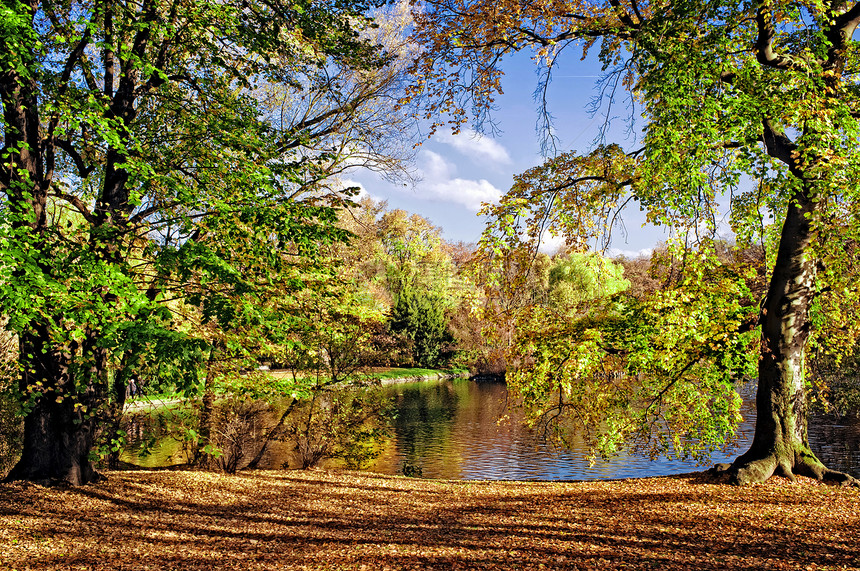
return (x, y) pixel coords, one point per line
(341, 520)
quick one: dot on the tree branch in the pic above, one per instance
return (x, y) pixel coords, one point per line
(50, 142)
(140, 216)
(764, 52)
(83, 170)
(108, 53)
(77, 203)
(840, 33)
(623, 15)
(778, 145)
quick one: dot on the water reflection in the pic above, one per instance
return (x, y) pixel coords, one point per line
(452, 430)
(465, 430)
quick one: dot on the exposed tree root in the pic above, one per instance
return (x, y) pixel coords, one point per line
(749, 469)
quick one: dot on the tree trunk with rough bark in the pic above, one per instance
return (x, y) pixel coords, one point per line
(780, 443)
(59, 431)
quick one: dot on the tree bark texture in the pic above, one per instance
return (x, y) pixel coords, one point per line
(780, 443)
(60, 430)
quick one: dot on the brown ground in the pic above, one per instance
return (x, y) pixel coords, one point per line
(348, 520)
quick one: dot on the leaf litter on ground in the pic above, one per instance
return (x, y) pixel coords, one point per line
(354, 520)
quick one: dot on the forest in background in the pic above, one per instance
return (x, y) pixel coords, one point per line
(395, 294)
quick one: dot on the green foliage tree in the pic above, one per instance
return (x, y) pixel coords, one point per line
(136, 159)
(576, 278)
(678, 349)
(753, 99)
(403, 265)
(420, 317)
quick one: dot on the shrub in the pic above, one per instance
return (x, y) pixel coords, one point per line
(420, 317)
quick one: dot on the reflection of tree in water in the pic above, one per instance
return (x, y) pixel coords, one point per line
(442, 426)
(159, 434)
(450, 430)
(425, 419)
(426, 414)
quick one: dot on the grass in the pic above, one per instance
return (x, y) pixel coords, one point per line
(387, 373)
(350, 520)
(407, 373)
(167, 400)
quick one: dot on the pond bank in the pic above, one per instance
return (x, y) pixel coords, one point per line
(394, 375)
(438, 376)
(142, 403)
(350, 520)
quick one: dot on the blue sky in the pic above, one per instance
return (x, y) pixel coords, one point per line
(459, 172)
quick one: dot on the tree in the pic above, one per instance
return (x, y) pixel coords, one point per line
(347, 115)
(403, 265)
(576, 279)
(132, 145)
(420, 317)
(656, 373)
(414, 253)
(755, 100)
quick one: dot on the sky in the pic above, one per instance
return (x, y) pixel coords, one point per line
(457, 173)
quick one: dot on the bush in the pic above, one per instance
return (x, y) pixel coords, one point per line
(341, 423)
(241, 424)
(420, 317)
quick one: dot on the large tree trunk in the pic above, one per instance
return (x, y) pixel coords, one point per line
(59, 431)
(780, 444)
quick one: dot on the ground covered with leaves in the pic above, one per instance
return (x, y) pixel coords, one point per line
(350, 520)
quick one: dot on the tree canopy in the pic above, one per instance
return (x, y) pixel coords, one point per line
(163, 177)
(752, 104)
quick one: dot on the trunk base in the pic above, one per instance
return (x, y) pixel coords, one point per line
(76, 476)
(753, 468)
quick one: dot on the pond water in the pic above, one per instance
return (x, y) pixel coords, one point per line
(452, 430)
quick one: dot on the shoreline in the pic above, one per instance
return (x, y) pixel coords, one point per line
(441, 376)
(139, 404)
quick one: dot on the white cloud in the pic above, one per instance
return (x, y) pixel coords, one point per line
(629, 254)
(439, 184)
(476, 146)
(550, 243)
(433, 166)
(362, 190)
(470, 193)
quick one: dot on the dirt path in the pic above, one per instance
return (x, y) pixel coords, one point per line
(348, 520)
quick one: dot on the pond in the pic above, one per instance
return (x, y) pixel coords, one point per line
(452, 430)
